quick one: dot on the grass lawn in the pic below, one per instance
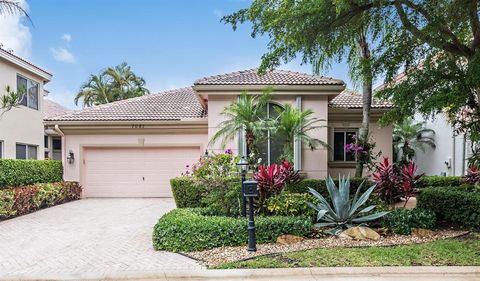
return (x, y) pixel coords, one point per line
(459, 251)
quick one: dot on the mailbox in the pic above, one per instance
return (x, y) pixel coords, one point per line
(250, 189)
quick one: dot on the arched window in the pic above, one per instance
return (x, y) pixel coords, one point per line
(270, 148)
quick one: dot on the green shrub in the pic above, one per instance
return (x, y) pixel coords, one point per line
(320, 186)
(402, 221)
(18, 201)
(186, 193)
(221, 195)
(295, 204)
(439, 181)
(192, 230)
(291, 204)
(460, 205)
(25, 172)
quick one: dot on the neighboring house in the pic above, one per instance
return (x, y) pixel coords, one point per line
(21, 128)
(131, 148)
(52, 139)
(452, 150)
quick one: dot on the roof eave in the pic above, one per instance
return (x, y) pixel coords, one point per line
(186, 121)
(47, 77)
(315, 89)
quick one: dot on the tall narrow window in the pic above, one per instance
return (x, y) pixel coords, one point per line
(270, 148)
(341, 137)
(29, 90)
(1, 149)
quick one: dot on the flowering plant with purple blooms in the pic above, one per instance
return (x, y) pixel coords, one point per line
(363, 151)
(213, 165)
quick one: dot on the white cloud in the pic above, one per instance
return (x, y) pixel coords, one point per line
(63, 55)
(14, 34)
(67, 37)
(218, 13)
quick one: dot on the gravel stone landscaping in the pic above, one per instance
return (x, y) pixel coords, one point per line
(220, 255)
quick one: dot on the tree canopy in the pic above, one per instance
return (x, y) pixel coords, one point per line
(112, 84)
(433, 42)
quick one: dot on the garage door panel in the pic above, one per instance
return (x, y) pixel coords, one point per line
(134, 172)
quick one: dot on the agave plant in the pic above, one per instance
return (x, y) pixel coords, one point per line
(344, 212)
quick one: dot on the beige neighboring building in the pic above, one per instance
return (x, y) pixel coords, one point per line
(132, 148)
(21, 128)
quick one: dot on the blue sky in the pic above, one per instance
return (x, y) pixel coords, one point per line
(169, 43)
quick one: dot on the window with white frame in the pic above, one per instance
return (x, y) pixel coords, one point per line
(1, 149)
(341, 137)
(29, 89)
(26, 151)
(270, 149)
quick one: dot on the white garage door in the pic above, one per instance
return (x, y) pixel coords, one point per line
(134, 172)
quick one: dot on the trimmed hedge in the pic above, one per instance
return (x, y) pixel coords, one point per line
(402, 221)
(189, 192)
(25, 172)
(459, 205)
(320, 185)
(439, 181)
(192, 230)
(22, 200)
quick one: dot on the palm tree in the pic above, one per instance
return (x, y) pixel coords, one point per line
(95, 91)
(247, 114)
(409, 137)
(12, 7)
(125, 83)
(294, 124)
(113, 84)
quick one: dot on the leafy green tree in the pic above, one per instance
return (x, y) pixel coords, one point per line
(410, 137)
(113, 84)
(322, 32)
(246, 115)
(436, 45)
(294, 124)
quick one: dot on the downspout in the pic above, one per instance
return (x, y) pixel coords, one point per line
(453, 153)
(60, 132)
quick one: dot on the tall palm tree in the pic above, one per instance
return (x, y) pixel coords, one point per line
(247, 114)
(113, 84)
(410, 137)
(124, 82)
(95, 91)
(294, 124)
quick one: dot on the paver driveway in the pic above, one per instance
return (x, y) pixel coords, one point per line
(87, 236)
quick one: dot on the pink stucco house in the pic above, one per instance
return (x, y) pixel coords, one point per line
(132, 148)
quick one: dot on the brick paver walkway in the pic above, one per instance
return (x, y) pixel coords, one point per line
(87, 236)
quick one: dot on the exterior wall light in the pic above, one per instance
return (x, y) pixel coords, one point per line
(70, 157)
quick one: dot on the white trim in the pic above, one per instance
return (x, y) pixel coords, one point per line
(25, 65)
(297, 145)
(242, 142)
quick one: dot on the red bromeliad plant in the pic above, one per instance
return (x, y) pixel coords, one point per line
(387, 181)
(472, 176)
(393, 184)
(409, 180)
(272, 179)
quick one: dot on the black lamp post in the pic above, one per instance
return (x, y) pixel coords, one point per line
(243, 167)
(251, 192)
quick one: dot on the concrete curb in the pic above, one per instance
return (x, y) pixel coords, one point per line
(327, 273)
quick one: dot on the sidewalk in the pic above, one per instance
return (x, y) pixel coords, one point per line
(301, 274)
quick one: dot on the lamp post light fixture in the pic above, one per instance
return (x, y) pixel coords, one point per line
(243, 168)
(70, 157)
(251, 192)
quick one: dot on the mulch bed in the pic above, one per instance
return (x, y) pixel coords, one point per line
(222, 255)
